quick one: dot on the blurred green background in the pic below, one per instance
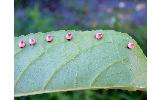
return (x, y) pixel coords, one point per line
(129, 16)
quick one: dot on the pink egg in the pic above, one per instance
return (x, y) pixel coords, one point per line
(99, 36)
(69, 36)
(22, 44)
(32, 42)
(131, 45)
(49, 38)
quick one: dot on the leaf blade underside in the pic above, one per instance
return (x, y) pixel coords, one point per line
(82, 63)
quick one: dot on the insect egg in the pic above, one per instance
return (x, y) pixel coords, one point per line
(32, 42)
(22, 44)
(98, 35)
(49, 38)
(69, 36)
(131, 45)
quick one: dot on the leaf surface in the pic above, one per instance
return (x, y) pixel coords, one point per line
(82, 63)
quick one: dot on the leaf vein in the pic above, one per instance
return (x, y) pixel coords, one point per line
(106, 68)
(62, 65)
(32, 62)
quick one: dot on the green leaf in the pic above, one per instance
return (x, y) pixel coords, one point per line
(79, 64)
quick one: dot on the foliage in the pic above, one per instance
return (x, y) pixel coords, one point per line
(90, 95)
(82, 63)
(32, 16)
